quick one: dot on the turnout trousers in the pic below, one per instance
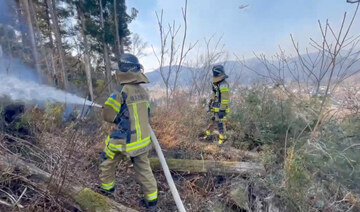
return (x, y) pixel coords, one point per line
(143, 174)
(220, 125)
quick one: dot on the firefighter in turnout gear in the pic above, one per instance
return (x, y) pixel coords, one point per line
(129, 109)
(219, 103)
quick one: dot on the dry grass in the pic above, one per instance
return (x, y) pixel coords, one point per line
(179, 130)
(70, 151)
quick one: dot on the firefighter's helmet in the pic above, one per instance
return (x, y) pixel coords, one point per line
(219, 73)
(130, 70)
(129, 63)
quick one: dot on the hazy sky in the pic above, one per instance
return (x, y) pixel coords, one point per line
(261, 27)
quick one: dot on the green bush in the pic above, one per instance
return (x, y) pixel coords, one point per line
(53, 117)
(335, 153)
(265, 117)
(310, 171)
(99, 86)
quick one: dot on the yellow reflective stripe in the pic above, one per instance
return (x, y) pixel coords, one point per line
(137, 125)
(107, 141)
(225, 89)
(147, 102)
(225, 101)
(227, 110)
(138, 144)
(115, 147)
(117, 109)
(109, 153)
(216, 109)
(111, 146)
(222, 137)
(108, 186)
(110, 99)
(113, 103)
(152, 196)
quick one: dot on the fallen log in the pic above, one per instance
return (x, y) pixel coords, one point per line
(202, 166)
(244, 155)
(228, 152)
(87, 199)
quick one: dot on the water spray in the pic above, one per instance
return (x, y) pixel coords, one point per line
(17, 89)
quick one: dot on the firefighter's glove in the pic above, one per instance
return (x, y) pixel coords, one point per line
(221, 114)
(103, 156)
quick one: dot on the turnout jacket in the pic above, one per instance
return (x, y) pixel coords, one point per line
(220, 97)
(128, 107)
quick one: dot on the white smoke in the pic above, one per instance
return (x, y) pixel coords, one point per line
(21, 90)
(19, 81)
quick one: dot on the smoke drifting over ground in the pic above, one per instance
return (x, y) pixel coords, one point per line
(18, 89)
(17, 79)
(16, 68)
(19, 82)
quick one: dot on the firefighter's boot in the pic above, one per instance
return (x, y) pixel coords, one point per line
(207, 136)
(150, 206)
(222, 138)
(109, 193)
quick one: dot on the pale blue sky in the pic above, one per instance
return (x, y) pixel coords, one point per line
(261, 27)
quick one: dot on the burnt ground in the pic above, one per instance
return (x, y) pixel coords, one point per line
(73, 148)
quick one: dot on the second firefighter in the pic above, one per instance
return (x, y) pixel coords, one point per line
(219, 103)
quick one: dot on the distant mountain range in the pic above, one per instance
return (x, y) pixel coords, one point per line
(234, 69)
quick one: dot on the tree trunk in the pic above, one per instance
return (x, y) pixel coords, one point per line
(56, 29)
(50, 57)
(87, 199)
(106, 50)
(43, 51)
(202, 166)
(116, 20)
(20, 27)
(51, 42)
(32, 37)
(122, 50)
(86, 52)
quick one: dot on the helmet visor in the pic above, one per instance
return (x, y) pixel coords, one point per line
(129, 67)
(218, 71)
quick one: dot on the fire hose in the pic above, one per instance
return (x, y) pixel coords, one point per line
(167, 173)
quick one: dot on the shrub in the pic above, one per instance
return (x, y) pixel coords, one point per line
(297, 178)
(265, 118)
(53, 117)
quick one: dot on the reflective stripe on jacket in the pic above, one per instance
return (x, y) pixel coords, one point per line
(221, 97)
(129, 108)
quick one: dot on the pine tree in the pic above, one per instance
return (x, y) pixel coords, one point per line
(82, 20)
(58, 40)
